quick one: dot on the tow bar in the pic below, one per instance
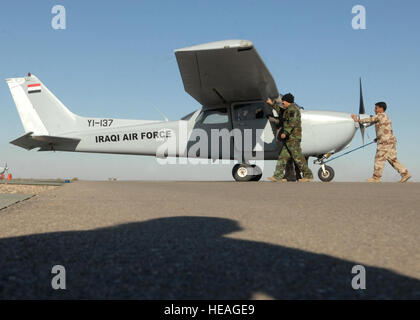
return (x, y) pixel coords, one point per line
(326, 173)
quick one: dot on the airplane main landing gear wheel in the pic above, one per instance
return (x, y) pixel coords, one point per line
(257, 173)
(241, 172)
(245, 172)
(327, 175)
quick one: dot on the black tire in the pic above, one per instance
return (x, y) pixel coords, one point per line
(241, 172)
(328, 176)
(256, 177)
(257, 173)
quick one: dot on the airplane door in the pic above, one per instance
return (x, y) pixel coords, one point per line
(250, 118)
(216, 125)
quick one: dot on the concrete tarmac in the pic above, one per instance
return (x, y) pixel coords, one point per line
(6, 200)
(213, 240)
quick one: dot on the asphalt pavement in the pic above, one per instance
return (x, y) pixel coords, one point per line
(213, 240)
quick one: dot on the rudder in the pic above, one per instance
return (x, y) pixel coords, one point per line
(40, 111)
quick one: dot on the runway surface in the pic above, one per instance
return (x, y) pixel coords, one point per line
(213, 240)
(7, 200)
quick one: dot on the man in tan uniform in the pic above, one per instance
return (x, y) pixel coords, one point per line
(387, 144)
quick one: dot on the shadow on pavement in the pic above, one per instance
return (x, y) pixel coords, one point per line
(181, 258)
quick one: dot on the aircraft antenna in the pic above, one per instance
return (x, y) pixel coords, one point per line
(161, 113)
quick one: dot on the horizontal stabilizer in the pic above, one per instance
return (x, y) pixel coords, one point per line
(45, 143)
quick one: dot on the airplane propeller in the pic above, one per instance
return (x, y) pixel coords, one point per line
(361, 111)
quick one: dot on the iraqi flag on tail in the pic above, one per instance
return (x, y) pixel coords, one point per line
(34, 88)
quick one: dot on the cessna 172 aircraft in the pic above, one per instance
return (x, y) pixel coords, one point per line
(230, 81)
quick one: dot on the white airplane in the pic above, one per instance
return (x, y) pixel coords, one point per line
(228, 78)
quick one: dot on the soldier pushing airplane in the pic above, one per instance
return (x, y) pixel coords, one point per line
(387, 144)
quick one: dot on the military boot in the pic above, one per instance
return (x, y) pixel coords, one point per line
(373, 180)
(274, 179)
(405, 177)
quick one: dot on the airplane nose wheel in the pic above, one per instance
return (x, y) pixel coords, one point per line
(246, 172)
(326, 173)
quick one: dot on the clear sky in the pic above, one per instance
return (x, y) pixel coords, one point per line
(115, 59)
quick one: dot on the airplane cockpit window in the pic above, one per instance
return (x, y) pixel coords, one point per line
(213, 116)
(249, 111)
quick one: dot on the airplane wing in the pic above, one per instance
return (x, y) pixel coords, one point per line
(45, 143)
(225, 72)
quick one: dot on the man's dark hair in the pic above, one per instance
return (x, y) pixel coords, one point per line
(381, 105)
(288, 97)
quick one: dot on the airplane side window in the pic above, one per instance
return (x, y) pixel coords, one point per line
(259, 113)
(214, 116)
(251, 111)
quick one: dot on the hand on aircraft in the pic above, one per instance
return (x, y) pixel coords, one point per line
(355, 118)
(283, 136)
(269, 101)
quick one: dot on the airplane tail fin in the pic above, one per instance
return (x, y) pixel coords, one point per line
(40, 111)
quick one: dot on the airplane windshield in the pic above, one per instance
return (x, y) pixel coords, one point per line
(188, 116)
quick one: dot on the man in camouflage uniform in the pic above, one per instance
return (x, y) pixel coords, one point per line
(291, 173)
(291, 136)
(387, 144)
